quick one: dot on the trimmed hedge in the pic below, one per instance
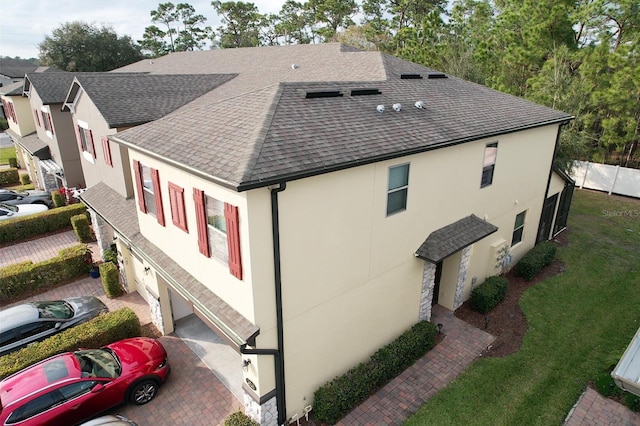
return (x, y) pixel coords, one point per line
(22, 228)
(97, 332)
(27, 277)
(25, 179)
(488, 294)
(13, 162)
(58, 199)
(9, 177)
(239, 419)
(336, 398)
(80, 224)
(537, 258)
(110, 279)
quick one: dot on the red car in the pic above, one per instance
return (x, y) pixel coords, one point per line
(75, 386)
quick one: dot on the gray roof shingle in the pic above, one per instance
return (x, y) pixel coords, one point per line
(121, 214)
(265, 130)
(445, 241)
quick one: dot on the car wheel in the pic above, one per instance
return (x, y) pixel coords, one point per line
(143, 392)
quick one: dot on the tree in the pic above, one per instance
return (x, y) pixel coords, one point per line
(331, 15)
(241, 23)
(293, 24)
(78, 46)
(184, 30)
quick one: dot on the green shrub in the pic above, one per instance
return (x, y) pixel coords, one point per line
(110, 279)
(4, 124)
(27, 277)
(58, 199)
(99, 331)
(9, 177)
(13, 162)
(25, 227)
(632, 401)
(25, 179)
(111, 255)
(337, 397)
(80, 224)
(488, 294)
(239, 419)
(537, 258)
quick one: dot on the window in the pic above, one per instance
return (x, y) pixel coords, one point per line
(489, 164)
(106, 149)
(85, 140)
(34, 407)
(218, 231)
(47, 123)
(37, 116)
(397, 189)
(76, 389)
(176, 200)
(148, 185)
(518, 228)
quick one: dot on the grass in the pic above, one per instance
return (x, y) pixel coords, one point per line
(6, 153)
(579, 322)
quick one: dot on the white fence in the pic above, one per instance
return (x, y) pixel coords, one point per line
(607, 178)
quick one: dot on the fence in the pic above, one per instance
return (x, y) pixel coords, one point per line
(607, 178)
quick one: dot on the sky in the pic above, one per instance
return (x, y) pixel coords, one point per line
(25, 23)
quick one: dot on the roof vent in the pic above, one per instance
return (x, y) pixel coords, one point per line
(436, 75)
(294, 66)
(410, 76)
(380, 108)
(362, 92)
(323, 94)
(419, 104)
(397, 107)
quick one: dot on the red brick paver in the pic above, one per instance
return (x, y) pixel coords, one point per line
(592, 409)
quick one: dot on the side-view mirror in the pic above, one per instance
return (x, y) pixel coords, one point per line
(97, 388)
(58, 325)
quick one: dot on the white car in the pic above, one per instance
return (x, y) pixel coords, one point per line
(8, 211)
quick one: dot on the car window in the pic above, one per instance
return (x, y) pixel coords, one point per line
(8, 337)
(98, 363)
(55, 370)
(76, 389)
(36, 406)
(9, 207)
(5, 196)
(34, 328)
(58, 309)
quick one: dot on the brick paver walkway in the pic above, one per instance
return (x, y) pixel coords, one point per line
(40, 249)
(592, 409)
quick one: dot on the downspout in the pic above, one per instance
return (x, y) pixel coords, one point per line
(553, 158)
(278, 354)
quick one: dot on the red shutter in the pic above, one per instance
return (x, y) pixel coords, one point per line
(176, 200)
(51, 124)
(77, 137)
(35, 112)
(106, 148)
(136, 170)
(201, 222)
(155, 178)
(233, 240)
(93, 146)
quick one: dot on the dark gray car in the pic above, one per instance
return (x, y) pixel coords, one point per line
(31, 322)
(13, 198)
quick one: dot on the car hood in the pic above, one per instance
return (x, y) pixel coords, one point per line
(138, 351)
(37, 193)
(86, 305)
(31, 208)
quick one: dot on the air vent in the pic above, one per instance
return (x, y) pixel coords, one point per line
(410, 76)
(436, 75)
(364, 92)
(323, 94)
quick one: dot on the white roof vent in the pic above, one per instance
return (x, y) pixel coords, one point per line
(397, 107)
(294, 66)
(380, 108)
(419, 104)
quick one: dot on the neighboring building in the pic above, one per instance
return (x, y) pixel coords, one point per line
(316, 205)
(13, 70)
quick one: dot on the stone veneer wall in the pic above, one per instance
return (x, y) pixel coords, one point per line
(465, 257)
(426, 295)
(265, 414)
(101, 231)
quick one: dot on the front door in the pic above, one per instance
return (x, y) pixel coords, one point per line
(546, 220)
(436, 283)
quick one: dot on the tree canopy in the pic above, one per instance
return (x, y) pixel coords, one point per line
(79, 46)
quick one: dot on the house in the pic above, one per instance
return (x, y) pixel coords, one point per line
(13, 70)
(316, 205)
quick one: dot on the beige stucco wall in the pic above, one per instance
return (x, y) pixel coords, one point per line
(350, 280)
(96, 170)
(26, 124)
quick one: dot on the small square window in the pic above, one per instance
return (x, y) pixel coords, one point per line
(518, 228)
(489, 164)
(397, 189)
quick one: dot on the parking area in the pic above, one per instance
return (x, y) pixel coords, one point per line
(193, 394)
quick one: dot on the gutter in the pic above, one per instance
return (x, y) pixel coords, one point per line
(278, 354)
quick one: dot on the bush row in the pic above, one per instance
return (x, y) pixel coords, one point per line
(537, 258)
(27, 277)
(25, 227)
(239, 419)
(99, 331)
(337, 397)
(110, 279)
(488, 294)
(80, 225)
(9, 177)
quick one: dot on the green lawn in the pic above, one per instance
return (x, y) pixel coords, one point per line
(580, 322)
(6, 153)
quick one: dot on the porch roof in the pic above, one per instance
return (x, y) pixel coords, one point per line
(32, 144)
(51, 167)
(447, 240)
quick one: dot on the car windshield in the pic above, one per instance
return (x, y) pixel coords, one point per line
(58, 309)
(9, 207)
(99, 363)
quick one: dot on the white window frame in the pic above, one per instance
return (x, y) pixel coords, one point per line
(218, 246)
(86, 153)
(489, 162)
(403, 188)
(520, 228)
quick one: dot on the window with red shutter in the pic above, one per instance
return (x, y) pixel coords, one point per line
(93, 145)
(139, 186)
(176, 200)
(106, 148)
(233, 240)
(155, 179)
(35, 113)
(201, 221)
